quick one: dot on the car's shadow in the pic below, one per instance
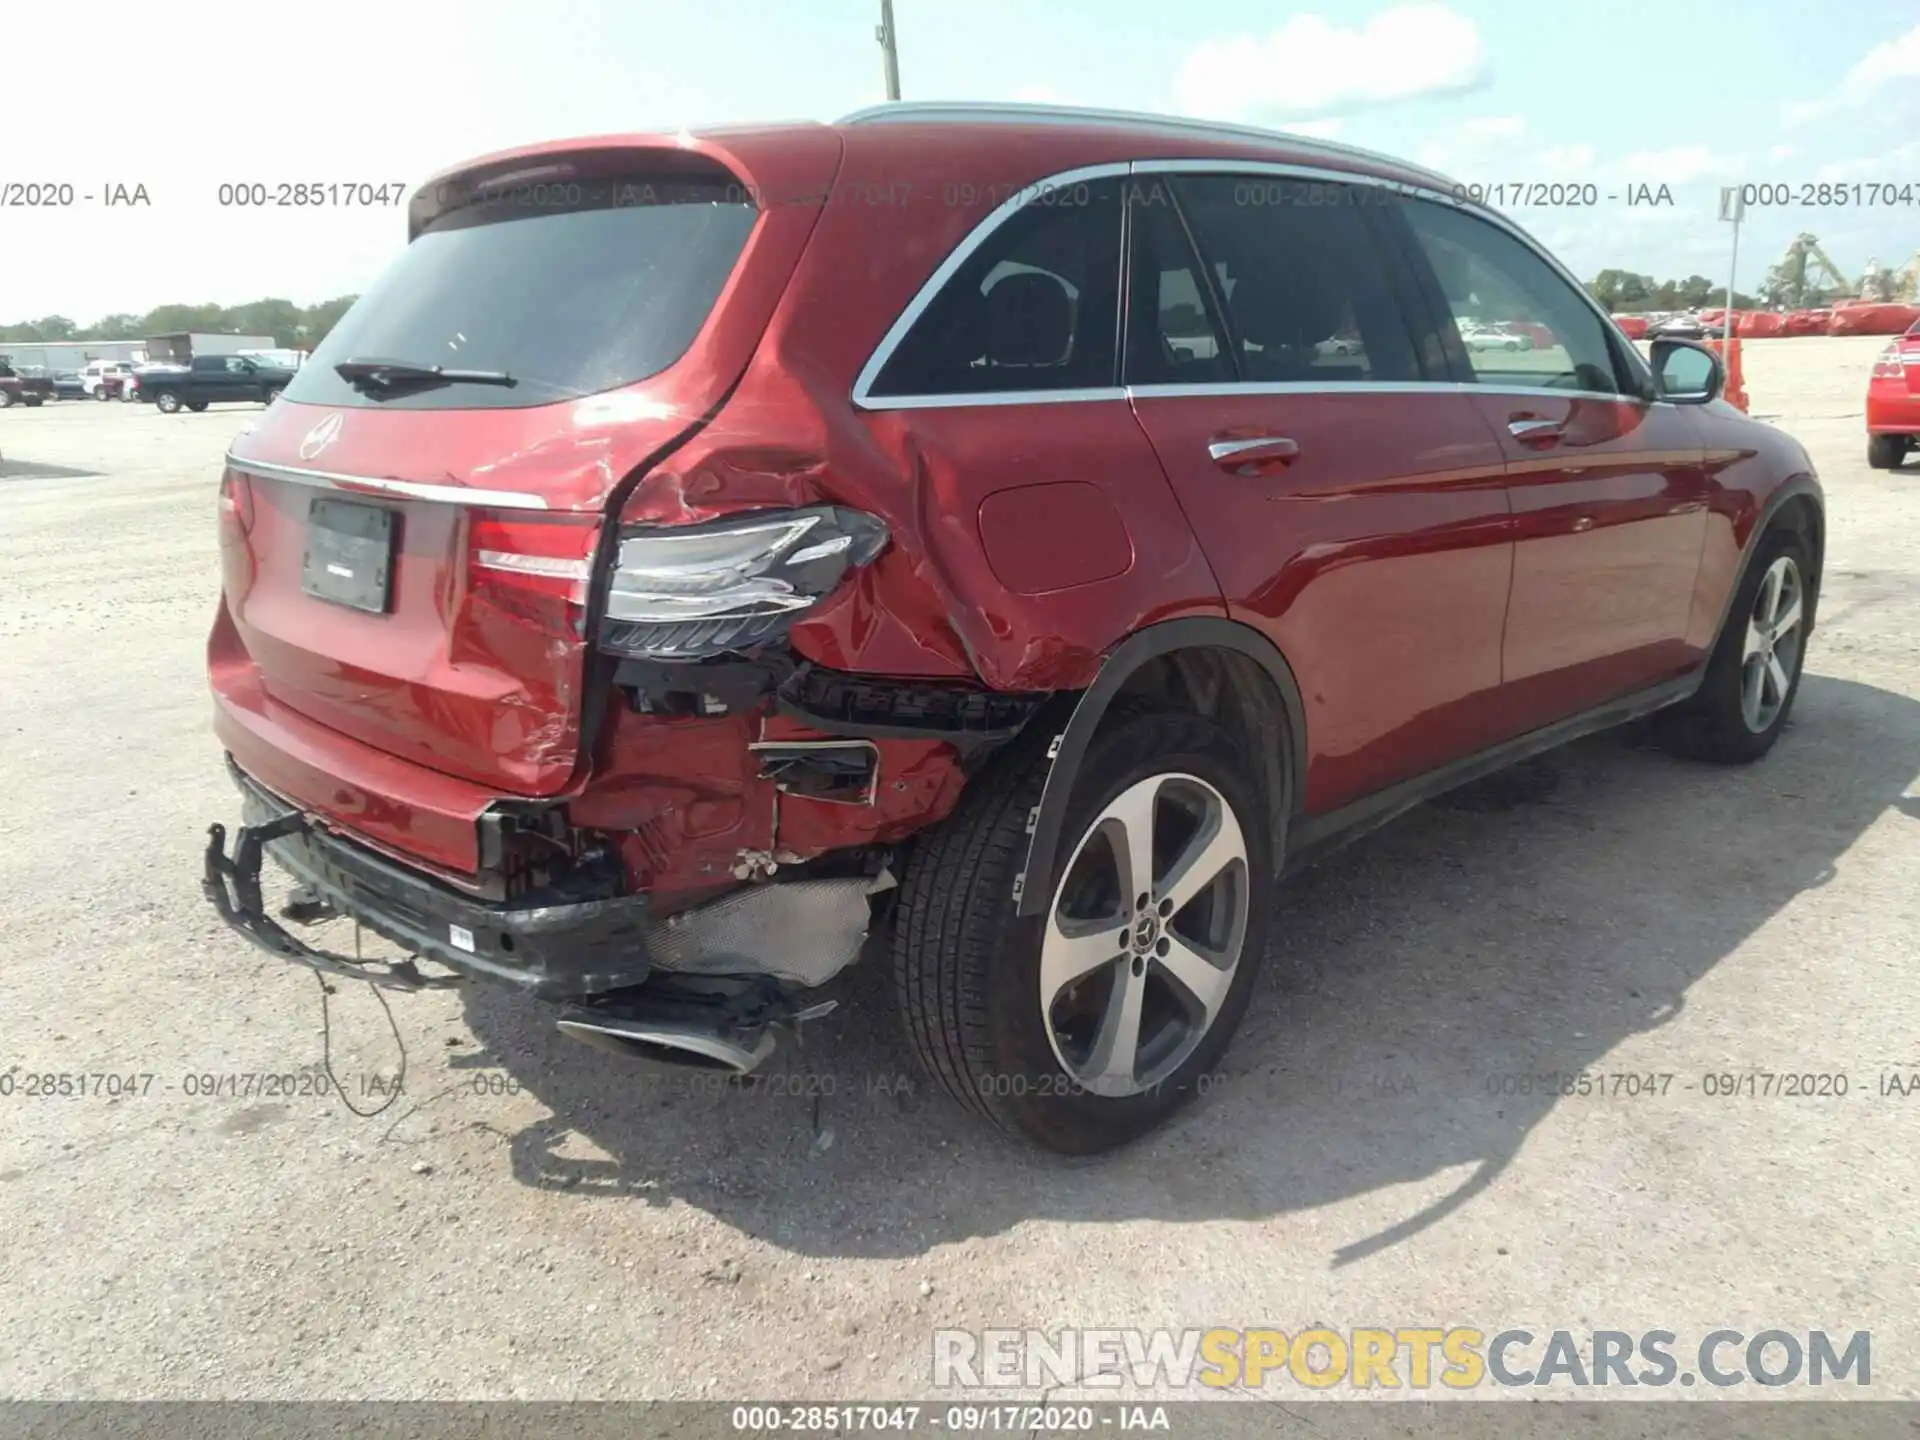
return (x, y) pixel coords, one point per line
(1527, 925)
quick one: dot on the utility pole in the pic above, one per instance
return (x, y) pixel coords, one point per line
(889, 50)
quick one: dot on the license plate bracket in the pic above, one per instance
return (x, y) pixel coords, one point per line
(349, 556)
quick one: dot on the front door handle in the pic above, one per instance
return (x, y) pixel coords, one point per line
(1531, 430)
(1251, 454)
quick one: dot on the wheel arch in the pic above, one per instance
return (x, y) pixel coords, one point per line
(1220, 667)
(1797, 504)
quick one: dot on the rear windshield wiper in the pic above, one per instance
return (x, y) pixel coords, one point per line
(392, 374)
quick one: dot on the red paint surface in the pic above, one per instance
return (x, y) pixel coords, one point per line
(1434, 587)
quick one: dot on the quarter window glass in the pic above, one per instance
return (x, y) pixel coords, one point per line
(1304, 285)
(1036, 307)
(1519, 322)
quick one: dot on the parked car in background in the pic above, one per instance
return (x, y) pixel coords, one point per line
(67, 385)
(1893, 402)
(631, 604)
(17, 387)
(1686, 327)
(210, 380)
(95, 372)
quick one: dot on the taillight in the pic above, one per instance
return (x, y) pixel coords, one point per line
(686, 592)
(236, 501)
(1891, 365)
(534, 567)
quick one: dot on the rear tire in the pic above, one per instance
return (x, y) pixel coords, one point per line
(1743, 703)
(272, 395)
(1885, 452)
(100, 393)
(166, 402)
(998, 1006)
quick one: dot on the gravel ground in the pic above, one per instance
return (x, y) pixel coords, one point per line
(531, 1218)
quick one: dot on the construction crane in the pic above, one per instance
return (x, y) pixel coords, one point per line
(1900, 286)
(1793, 284)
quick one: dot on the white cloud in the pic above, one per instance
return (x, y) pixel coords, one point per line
(1676, 166)
(1492, 127)
(1782, 152)
(1896, 59)
(1310, 66)
(1887, 62)
(1895, 167)
(1319, 129)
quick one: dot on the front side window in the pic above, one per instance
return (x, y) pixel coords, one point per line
(1520, 323)
(1305, 289)
(1036, 307)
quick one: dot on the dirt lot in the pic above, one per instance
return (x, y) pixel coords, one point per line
(531, 1218)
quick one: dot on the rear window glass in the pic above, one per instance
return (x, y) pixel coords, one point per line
(585, 288)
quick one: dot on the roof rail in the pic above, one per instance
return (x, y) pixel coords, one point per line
(979, 112)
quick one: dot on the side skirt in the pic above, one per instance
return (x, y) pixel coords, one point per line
(1315, 837)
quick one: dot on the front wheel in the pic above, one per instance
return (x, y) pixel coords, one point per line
(1754, 674)
(1885, 452)
(100, 393)
(167, 402)
(6, 399)
(1086, 1026)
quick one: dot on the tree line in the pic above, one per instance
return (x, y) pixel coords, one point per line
(293, 327)
(1620, 290)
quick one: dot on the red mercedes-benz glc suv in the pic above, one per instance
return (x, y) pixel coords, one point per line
(1036, 530)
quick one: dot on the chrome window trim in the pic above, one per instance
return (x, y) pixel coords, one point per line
(959, 256)
(1373, 387)
(984, 231)
(993, 397)
(408, 489)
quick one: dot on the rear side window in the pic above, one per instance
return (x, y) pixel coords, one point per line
(587, 287)
(1036, 307)
(1521, 324)
(1304, 286)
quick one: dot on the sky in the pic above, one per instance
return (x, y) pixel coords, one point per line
(1689, 94)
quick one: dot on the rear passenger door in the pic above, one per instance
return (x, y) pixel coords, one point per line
(1608, 487)
(1349, 497)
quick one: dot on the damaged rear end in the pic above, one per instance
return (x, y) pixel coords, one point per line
(540, 598)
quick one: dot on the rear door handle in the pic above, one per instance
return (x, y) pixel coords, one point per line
(1531, 430)
(1247, 456)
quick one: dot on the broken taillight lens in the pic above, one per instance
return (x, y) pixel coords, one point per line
(687, 592)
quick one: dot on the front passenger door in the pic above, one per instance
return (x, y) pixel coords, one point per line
(1608, 487)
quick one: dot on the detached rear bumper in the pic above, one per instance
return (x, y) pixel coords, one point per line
(553, 952)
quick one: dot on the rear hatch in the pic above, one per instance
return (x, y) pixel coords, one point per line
(407, 561)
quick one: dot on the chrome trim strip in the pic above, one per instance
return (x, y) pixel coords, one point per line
(992, 397)
(979, 235)
(975, 238)
(408, 489)
(1367, 387)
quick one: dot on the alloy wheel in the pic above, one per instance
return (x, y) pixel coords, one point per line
(1772, 652)
(1144, 935)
